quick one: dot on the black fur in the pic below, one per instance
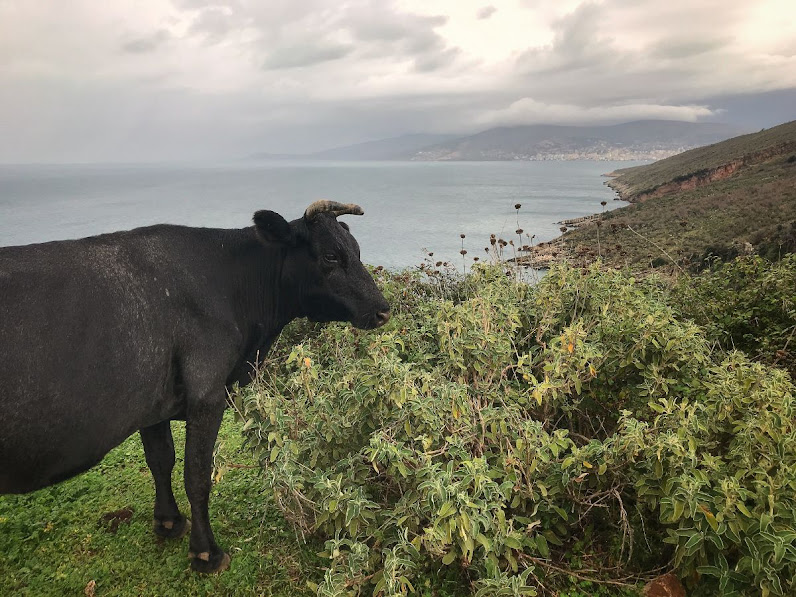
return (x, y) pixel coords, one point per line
(109, 335)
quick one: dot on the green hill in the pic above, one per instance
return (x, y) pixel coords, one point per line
(703, 162)
(726, 199)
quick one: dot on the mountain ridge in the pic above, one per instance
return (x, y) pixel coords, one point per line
(635, 140)
(641, 139)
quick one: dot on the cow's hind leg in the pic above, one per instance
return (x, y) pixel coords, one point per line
(159, 451)
(201, 430)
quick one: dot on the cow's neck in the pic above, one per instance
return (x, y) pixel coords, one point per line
(261, 295)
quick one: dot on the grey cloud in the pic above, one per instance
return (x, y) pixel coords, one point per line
(147, 43)
(675, 49)
(485, 12)
(576, 45)
(435, 61)
(214, 23)
(305, 55)
(390, 34)
(261, 94)
(200, 4)
(378, 24)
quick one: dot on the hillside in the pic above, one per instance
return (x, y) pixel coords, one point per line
(734, 197)
(646, 139)
(717, 161)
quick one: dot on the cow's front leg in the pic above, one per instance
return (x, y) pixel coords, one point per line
(159, 451)
(201, 430)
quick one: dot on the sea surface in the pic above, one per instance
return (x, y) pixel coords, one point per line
(411, 208)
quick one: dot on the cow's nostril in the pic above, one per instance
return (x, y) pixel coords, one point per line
(382, 317)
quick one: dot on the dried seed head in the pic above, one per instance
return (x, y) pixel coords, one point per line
(461, 236)
(518, 231)
(475, 258)
(463, 251)
(599, 223)
(603, 203)
(517, 205)
(492, 241)
(437, 264)
(431, 254)
(563, 229)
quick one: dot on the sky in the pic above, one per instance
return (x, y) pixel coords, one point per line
(150, 80)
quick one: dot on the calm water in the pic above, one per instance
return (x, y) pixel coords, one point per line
(408, 206)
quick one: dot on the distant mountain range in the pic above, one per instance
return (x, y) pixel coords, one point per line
(639, 140)
(395, 148)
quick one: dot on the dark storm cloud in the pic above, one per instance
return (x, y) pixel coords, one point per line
(147, 43)
(485, 12)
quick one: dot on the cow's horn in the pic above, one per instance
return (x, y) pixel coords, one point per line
(338, 209)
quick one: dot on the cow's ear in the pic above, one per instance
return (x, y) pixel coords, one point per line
(273, 228)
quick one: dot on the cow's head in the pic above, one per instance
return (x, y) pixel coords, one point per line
(322, 266)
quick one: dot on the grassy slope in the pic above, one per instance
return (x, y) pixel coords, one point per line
(52, 543)
(644, 178)
(749, 207)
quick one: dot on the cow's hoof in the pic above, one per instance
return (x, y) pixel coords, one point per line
(205, 563)
(172, 529)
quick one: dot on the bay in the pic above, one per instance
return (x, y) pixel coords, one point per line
(410, 207)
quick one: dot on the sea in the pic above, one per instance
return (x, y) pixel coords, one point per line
(411, 208)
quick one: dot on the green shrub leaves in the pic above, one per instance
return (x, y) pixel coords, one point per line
(512, 431)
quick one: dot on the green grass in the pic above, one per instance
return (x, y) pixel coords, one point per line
(52, 542)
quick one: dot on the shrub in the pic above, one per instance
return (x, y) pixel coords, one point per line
(516, 431)
(748, 304)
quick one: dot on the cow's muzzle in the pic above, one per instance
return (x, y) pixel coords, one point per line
(382, 317)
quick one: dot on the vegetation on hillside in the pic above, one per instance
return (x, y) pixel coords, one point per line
(640, 179)
(524, 436)
(754, 210)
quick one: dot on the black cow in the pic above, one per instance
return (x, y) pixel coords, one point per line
(105, 336)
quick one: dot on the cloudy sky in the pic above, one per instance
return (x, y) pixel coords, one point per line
(206, 79)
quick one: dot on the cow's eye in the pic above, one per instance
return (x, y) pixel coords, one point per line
(330, 258)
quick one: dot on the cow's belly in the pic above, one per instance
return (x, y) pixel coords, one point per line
(42, 448)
